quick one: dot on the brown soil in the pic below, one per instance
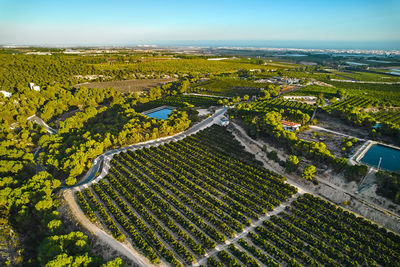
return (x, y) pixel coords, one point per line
(128, 86)
(336, 124)
(288, 88)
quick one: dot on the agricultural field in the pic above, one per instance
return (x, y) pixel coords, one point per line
(279, 103)
(355, 104)
(290, 110)
(179, 101)
(365, 76)
(387, 116)
(316, 90)
(354, 101)
(128, 86)
(190, 201)
(228, 86)
(387, 93)
(179, 66)
(209, 193)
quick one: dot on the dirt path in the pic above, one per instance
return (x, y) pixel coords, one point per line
(103, 161)
(246, 230)
(325, 189)
(313, 127)
(124, 249)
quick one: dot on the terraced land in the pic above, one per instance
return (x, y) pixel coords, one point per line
(204, 200)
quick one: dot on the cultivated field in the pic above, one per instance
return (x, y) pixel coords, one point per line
(128, 86)
(205, 200)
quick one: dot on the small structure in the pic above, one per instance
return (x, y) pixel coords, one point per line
(300, 97)
(290, 126)
(5, 93)
(224, 121)
(34, 87)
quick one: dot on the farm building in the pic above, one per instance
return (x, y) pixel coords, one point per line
(290, 126)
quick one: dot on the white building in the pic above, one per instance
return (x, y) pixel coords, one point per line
(5, 93)
(295, 97)
(34, 87)
(290, 126)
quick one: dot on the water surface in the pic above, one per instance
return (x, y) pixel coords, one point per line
(161, 114)
(390, 157)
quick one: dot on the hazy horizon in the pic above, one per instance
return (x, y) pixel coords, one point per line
(308, 24)
(323, 45)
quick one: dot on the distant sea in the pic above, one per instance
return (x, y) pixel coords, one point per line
(373, 45)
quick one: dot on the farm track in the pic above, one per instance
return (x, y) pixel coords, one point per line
(164, 162)
(246, 230)
(151, 163)
(124, 249)
(256, 148)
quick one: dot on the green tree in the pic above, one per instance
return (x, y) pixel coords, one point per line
(273, 155)
(340, 93)
(309, 172)
(292, 163)
(320, 101)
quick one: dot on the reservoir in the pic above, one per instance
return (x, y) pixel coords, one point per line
(390, 157)
(161, 114)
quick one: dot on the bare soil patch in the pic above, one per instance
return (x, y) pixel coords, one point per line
(129, 86)
(336, 124)
(334, 143)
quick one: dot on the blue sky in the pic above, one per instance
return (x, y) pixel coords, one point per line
(145, 22)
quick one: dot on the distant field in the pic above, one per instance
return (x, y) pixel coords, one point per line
(128, 86)
(367, 76)
(179, 66)
(228, 87)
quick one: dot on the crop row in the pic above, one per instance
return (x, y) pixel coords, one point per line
(179, 201)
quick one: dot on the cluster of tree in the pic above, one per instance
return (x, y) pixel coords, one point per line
(290, 110)
(50, 102)
(179, 101)
(324, 220)
(30, 206)
(180, 67)
(70, 249)
(269, 124)
(20, 69)
(89, 133)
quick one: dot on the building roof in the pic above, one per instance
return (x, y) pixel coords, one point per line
(5, 93)
(289, 123)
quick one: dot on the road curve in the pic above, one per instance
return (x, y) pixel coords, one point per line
(103, 161)
(100, 160)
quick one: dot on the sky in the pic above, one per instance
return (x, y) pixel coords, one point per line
(134, 22)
